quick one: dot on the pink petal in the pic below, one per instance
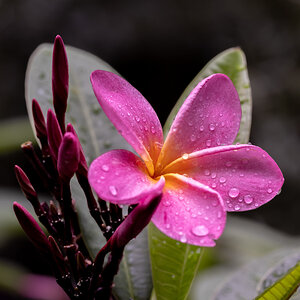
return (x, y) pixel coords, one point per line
(190, 212)
(245, 176)
(131, 114)
(119, 176)
(209, 117)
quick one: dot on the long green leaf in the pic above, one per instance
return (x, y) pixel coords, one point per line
(231, 62)
(281, 281)
(174, 265)
(97, 136)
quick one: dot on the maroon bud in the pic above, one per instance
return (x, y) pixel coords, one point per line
(82, 168)
(39, 121)
(32, 228)
(68, 157)
(135, 222)
(60, 80)
(54, 133)
(27, 187)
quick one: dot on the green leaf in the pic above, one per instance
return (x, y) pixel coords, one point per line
(281, 281)
(243, 284)
(174, 265)
(97, 135)
(231, 62)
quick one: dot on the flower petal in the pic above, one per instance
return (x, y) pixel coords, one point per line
(119, 176)
(209, 117)
(245, 176)
(131, 114)
(190, 212)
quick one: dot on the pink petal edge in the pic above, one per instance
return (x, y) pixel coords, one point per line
(190, 212)
(245, 176)
(130, 113)
(209, 117)
(121, 177)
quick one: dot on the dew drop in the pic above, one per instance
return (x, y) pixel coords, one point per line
(193, 138)
(248, 199)
(219, 215)
(208, 143)
(185, 156)
(213, 185)
(113, 190)
(137, 118)
(201, 128)
(167, 203)
(105, 168)
(173, 276)
(168, 226)
(200, 230)
(228, 164)
(213, 175)
(212, 127)
(153, 129)
(206, 172)
(233, 192)
(190, 123)
(269, 191)
(194, 216)
(183, 239)
(223, 124)
(215, 203)
(237, 207)
(222, 179)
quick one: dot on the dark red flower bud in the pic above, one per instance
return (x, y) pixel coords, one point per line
(54, 133)
(39, 121)
(60, 80)
(135, 222)
(82, 168)
(27, 187)
(32, 228)
(68, 156)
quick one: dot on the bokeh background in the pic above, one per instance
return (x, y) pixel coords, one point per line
(159, 46)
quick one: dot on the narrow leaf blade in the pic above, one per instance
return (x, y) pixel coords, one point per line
(174, 265)
(231, 62)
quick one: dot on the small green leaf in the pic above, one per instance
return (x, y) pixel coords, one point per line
(231, 62)
(97, 135)
(174, 265)
(281, 281)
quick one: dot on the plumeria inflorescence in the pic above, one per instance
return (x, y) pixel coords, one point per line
(60, 158)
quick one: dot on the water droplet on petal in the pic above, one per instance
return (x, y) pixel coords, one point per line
(105, 168)
(200, 230)
(206, 172)
(212, 127)
(269, 191)
(248, 199)
(153, 129)
(201, 128)
(208, 143)
(222, 179)
(228, 164)
(237, 207)
(183, 239)
(167, 203)
(213, 185)
(215, 203)
(168, 226)
(233, 192)
(190, 123)
(213, 175)
(185, 156)
(219, 215)
(193, 138)
(113, 190)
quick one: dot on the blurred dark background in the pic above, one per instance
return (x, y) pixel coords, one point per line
(159, 46)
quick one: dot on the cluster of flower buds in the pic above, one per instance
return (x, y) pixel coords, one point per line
(59, 159)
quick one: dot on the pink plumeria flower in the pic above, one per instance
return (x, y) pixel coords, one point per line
(198, 170)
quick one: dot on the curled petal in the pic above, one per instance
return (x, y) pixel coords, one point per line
(131, 114)
(190, 212)
(209, 117)
(245, 176)
(119, 176)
